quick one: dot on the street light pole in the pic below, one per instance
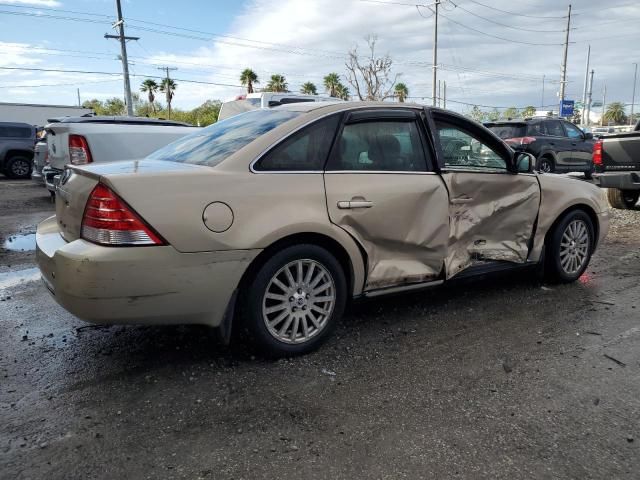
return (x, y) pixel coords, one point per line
(633, 95)
(435, 53)
(563, 79)
(586, 85)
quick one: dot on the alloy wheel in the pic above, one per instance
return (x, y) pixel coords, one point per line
(574, 247)
(20, 168)
(545, 166)
(298, 301)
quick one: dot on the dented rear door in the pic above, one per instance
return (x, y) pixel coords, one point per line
(381, 190)
(492, 211)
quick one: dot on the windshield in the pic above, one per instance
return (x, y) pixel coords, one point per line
(213, 144)
(508, 130)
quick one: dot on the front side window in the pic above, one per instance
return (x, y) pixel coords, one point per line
(15, 132)
(463, 150)
(536, 129)
(572, 131)
(554, 128)
(213, 144)
(392, 146)
(305, 150)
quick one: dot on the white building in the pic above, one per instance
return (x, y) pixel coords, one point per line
(36, 114)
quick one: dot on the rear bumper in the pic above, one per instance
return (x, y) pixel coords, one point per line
(622, 180)
(49, 175)
(138, 285)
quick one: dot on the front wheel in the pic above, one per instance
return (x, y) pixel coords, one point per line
(569, 247)
(294, 301)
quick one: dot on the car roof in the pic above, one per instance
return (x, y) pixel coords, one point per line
(120, 120)
(311, 106)
(16, 124)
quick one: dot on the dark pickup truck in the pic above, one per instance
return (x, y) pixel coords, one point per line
(617, 159)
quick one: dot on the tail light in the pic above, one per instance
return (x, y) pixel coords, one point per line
(79, 152)
(521, 140)
(597, 153)
(108, 220)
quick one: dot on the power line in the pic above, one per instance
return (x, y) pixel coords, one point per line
(483, 106)
(499, 38)
(57, 70)
(514, 13)
(60, 84)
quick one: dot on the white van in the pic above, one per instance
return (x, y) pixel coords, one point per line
(253, 101)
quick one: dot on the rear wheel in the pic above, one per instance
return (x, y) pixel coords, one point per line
(545, 164)
(569, 247)
(622, 199)
(19, 167)
(294, 301)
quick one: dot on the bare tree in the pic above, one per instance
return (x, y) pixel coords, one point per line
(370, 76)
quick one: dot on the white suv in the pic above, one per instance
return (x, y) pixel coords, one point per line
(253, 101)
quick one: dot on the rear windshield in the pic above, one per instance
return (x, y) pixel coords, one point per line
(213, 144)
(508, 130)
(15, 132)
(235, 107)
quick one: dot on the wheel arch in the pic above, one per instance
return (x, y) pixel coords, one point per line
(593, 216)
(18, 153)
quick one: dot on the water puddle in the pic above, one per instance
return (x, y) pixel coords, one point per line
(18, 277)
(20, 243)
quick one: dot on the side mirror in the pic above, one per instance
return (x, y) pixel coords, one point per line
(588, 136)
(524, 162)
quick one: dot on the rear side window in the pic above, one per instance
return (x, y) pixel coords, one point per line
(508, 130)
(554, 128)
(213, 144)
(536, 129)
(15, 132)
(305, 150)
(392, 146)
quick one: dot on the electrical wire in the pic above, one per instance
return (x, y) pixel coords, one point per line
(517, 14)
(61, 84)
(507, 25)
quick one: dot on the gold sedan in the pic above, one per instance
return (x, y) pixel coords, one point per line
(271, 221)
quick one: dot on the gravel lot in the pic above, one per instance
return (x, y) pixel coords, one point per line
(501, 378)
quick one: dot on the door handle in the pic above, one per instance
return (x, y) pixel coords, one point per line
(461, 200)
(346, 204)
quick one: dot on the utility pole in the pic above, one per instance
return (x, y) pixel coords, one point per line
(167, 89)
(584, 91)
(123, 55)
(439, 93)
(604, 102)
(444, 94)
(435, 51)
(78, 90)
(633, 95)
(542, 100)
(563, 78)
(587, 106)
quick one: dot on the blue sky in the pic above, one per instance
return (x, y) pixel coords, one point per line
(305, 39)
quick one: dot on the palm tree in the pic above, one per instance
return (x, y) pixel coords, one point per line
(168, 87)
(309, 88)
(249, 78)
(331, 83)
(401, 91)
(342, 92)
(150, 87)
(615, 113)
(277, 83)
(529, 111)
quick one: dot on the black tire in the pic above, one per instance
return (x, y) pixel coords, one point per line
(253, 299)
(623, 199)
(543, 162)
(19, 167)
(554, 270)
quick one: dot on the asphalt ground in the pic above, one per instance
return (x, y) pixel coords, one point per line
(498, 378)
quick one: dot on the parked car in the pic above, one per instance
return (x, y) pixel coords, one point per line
(253, 101)
(40, 160)
(89, 139)
(600, 131)
(272, 220)
(617, 158)
(558, 145)
(17, 141)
